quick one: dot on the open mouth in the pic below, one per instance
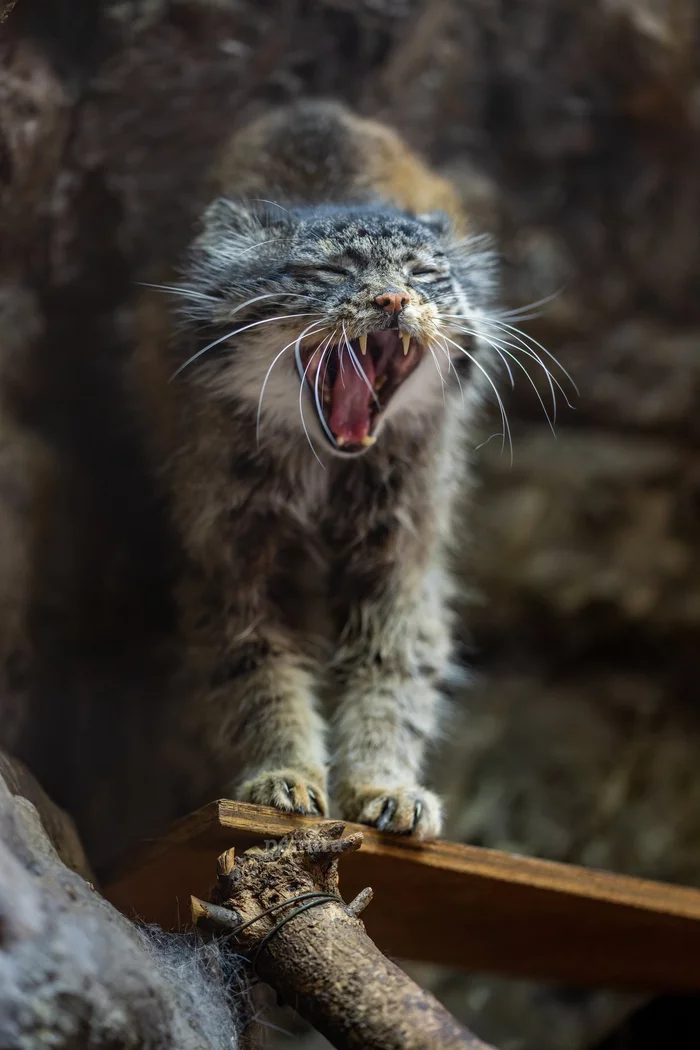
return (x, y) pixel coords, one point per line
(351, 385)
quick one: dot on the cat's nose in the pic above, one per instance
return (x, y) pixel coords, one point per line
(392, 301)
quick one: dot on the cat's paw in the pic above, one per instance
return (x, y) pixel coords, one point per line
(286, 789)
(403, 811)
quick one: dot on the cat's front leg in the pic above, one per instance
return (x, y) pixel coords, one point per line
(276, 732)
(394, 649)
(256, 706)
(389, 712)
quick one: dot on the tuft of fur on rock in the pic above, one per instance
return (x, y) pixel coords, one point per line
(72, 983)
(209, 980)
(74, 973)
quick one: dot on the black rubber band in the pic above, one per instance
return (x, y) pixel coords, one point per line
(321, 898)
(312, 896)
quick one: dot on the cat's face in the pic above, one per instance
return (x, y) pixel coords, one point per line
(333, 321)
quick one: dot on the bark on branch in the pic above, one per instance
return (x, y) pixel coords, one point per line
(314, 950)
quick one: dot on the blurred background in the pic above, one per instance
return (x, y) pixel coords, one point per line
(572, 131)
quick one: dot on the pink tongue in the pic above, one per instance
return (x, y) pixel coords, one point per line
(351, 397)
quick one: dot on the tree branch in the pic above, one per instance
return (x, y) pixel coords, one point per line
(314, 950)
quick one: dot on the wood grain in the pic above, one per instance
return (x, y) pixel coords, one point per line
(456, 905)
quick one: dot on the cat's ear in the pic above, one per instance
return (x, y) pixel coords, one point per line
(230, 229)
(438, 222)
(240, 218)
(225, 215)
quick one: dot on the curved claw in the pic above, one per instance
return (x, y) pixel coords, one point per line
(314, 801)
(387, 814)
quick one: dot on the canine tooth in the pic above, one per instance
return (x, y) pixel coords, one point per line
(406, 340)
(340, 441)
(363, 343)
(368, 440)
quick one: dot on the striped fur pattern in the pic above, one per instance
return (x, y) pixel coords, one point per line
(315, 605)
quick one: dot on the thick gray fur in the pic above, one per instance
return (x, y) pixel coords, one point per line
(319, 582)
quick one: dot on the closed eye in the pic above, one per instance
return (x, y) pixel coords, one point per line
(338, 271)
(420, 269)
(325, 271)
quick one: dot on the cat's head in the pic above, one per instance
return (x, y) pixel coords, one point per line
(332, 321)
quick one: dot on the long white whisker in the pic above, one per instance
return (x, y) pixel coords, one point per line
(237, 309)
(531, 306)
(480, 335)
(331, 340)
(523, 348)
(319, 405)
(257, 298)
(282, 295)
(551, 378)
(521, 311)
(345, 340)
(347, 344)
(492, 436)
(187, 293)
(451, 365)
(302, 386)
(473, 331)
(304, 295)
(515, 316)
(499, 345)
(230, 335)
(501, 351)
(264, 200)
(252, 247)
(503, 359)
(340, 360)
(504, 415)
(358, 367)
(248, 302)
(523, 335)
(306, 331)
(439, 371)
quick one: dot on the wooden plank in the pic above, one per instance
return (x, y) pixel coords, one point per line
(460, 906)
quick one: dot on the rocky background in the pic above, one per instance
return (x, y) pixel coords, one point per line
(573, 132)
